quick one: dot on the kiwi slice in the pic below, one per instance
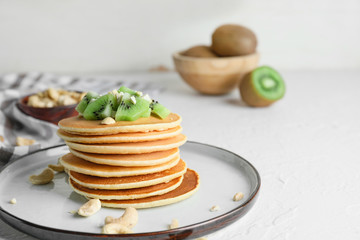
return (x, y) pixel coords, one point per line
(126, 90)
(101, 108)
(147, 113)
(80, 108)
(262, 87)
(132, 108)
(159, 110)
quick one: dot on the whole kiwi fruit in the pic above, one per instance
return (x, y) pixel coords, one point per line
(233, 40)
(200, 51)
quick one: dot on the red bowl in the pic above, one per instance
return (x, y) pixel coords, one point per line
(52, 115)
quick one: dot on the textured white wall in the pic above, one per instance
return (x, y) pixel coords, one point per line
(97, 36)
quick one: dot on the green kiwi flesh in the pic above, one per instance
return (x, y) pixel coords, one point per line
(126, 90)
(268, 83)
(80, 108)
(159, 110)
(124, 104)
(129, 111)
(101, 108)
(262, 87)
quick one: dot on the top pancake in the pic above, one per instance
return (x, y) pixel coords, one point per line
(79, 125)
(120, 137)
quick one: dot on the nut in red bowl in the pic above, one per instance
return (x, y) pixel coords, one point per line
(48, 114)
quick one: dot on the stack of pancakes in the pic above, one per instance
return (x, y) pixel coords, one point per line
(128, 163)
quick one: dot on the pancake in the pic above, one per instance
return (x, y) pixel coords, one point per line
(131, 181)
(130, 160)
(189, 186)
(76, 164)
(79, 125)
(130, 148)
(134, 193)
(120, 137)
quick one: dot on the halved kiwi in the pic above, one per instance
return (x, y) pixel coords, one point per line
(101, 108)
(262, 87)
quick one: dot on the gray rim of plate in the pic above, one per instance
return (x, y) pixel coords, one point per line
(194, 230)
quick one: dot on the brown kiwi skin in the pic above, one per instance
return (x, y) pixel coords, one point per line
(233, 40)
(249, 94)
(200, 51)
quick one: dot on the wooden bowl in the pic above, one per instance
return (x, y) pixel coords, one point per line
(52, 115)
(214, 76)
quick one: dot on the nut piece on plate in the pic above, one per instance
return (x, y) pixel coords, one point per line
(174, 224)
(20, 141)
(214, 208)
(56, 167)
(43, 178)
(13, 201)
(90, 208)
(121, 225)
(1, 138)
(238, 196)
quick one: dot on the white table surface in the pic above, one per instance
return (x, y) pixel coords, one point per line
(306, 148)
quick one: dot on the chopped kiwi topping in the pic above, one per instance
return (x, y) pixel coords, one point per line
(80, 108)
(123, 104)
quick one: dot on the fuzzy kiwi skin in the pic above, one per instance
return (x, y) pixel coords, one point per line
(233, 40)
(250, 95)
(200, 51)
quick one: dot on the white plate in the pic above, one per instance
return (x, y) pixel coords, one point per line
(45, 210)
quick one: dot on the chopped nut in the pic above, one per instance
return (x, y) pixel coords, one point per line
(108, 121)
(114, 92)
(81, 96)
(124, 224)
(34, 101)
(238, 196)
(133, 99)
(1, 138)
(65, 100)
(43, 178)
(50, 104)
(13, 201)
(89, 208)
(214, 208)
(174, 224)
(53, 94)
(57, 168)
(115, 228)
(20, 141)
(202, 238)
(54, 97)
(147, 98)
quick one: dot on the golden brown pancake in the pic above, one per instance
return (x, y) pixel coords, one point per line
(76, 164)
(79, 125)
(120, 137)
(130, 181)
(189, 186)
(130, 160)
(130, 148)
(133, 193)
